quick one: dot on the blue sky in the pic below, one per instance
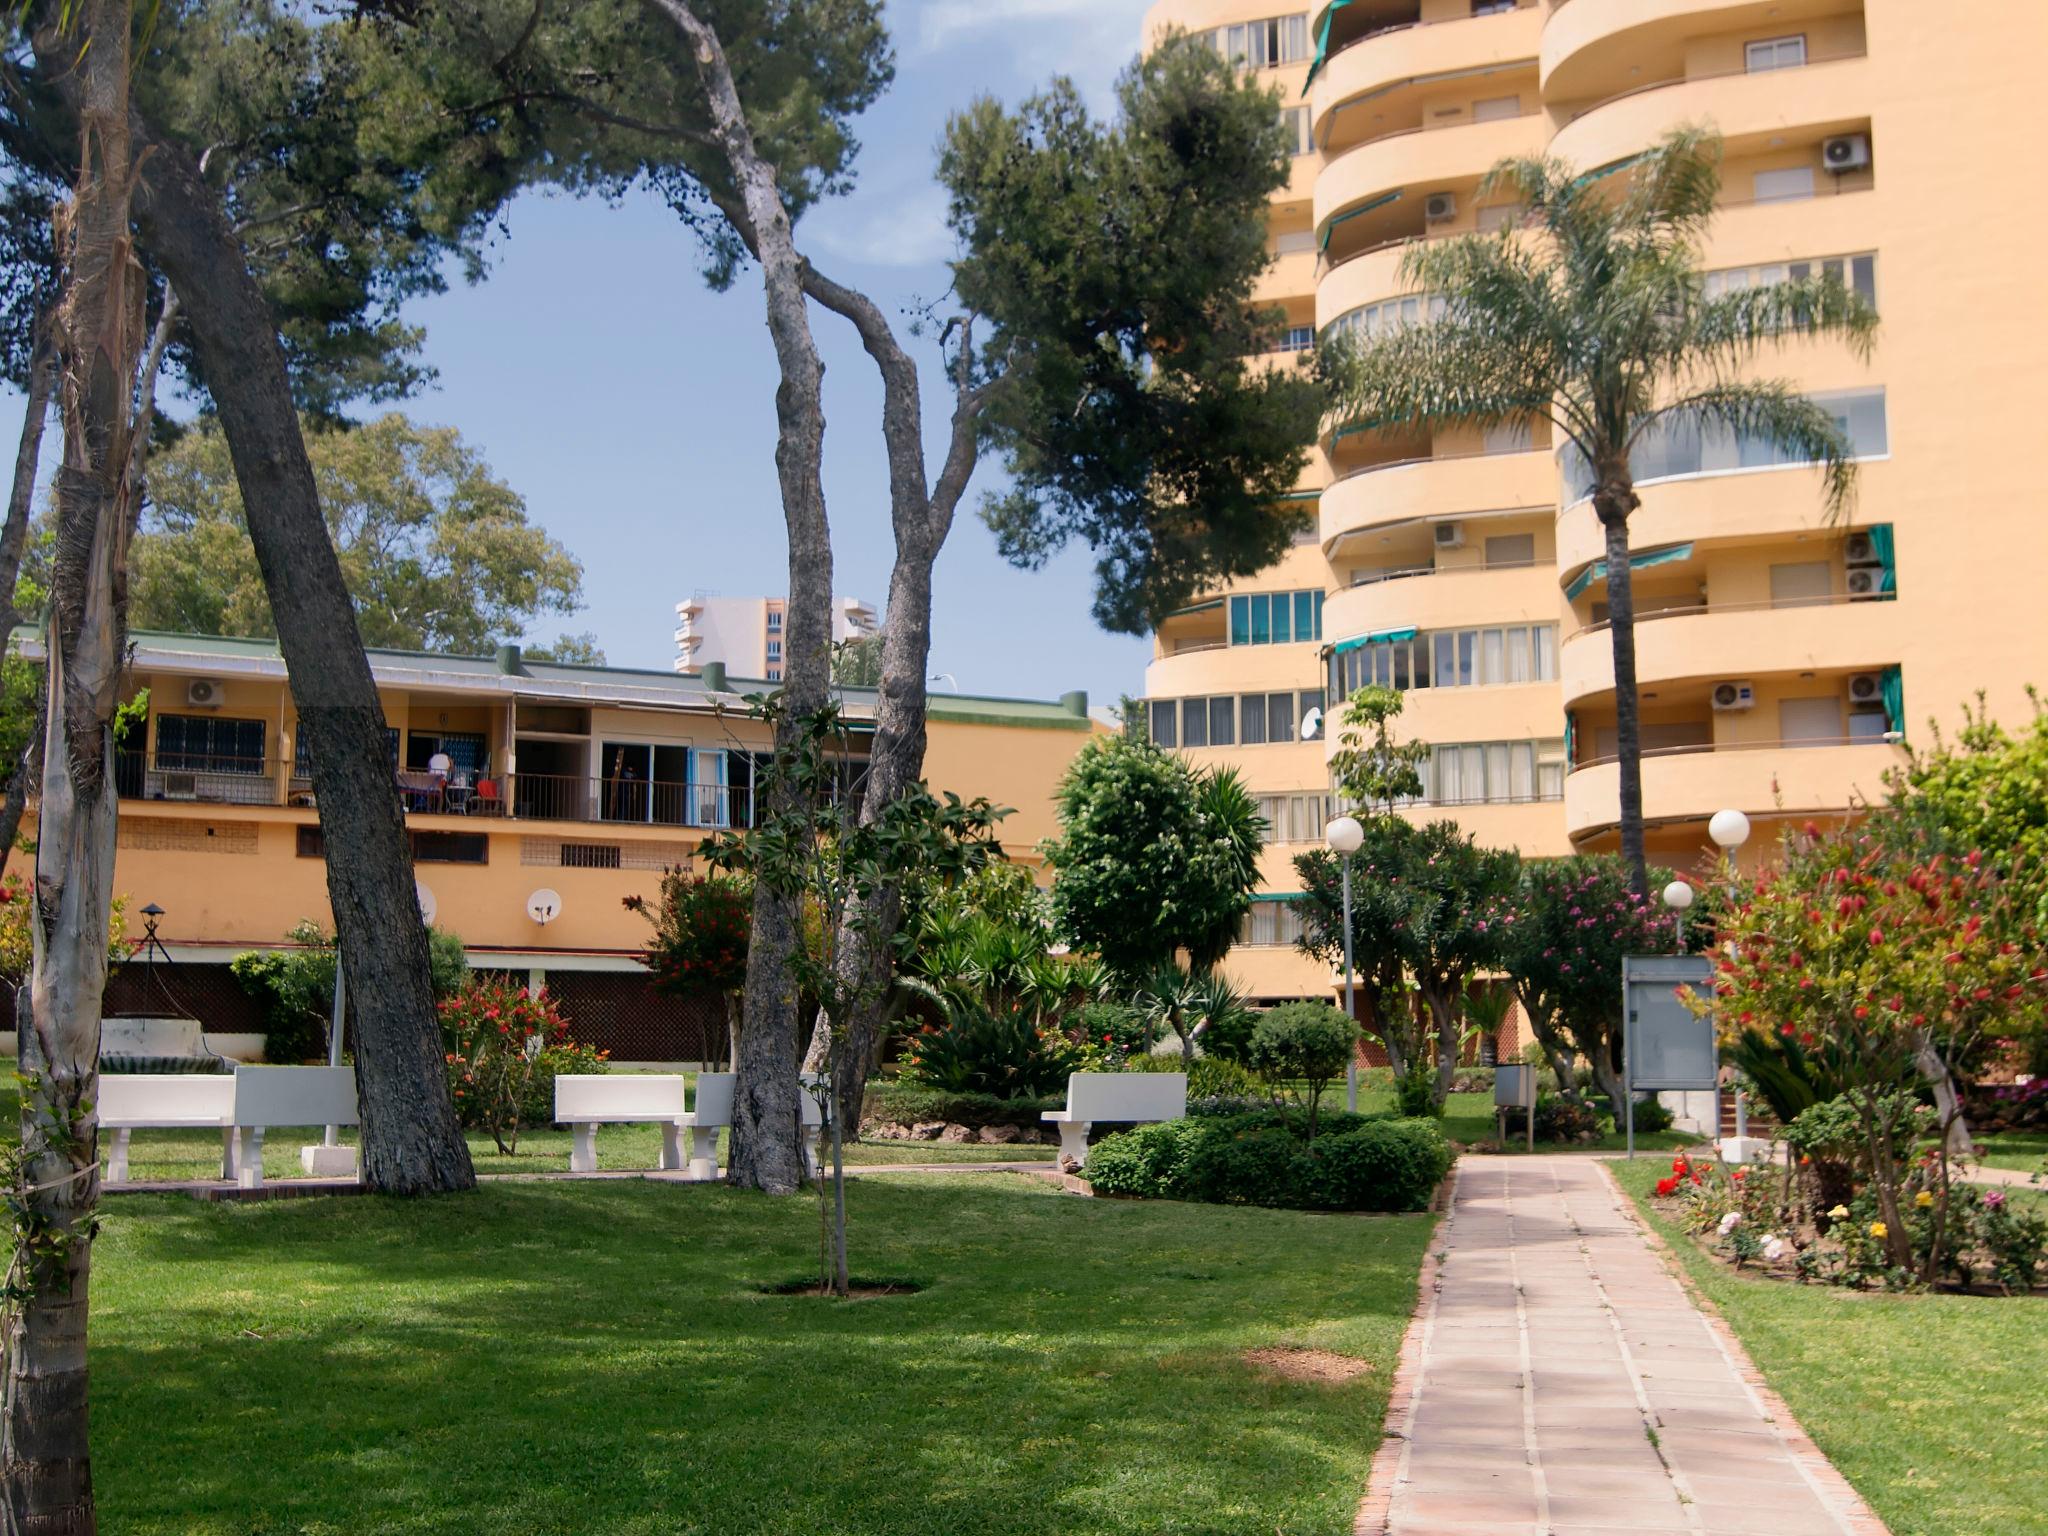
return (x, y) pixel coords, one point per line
(635, 410)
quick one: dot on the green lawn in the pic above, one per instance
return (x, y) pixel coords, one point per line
(537, 1358)
(1468, 1119)
(1930, 1405)
(2024, 1150)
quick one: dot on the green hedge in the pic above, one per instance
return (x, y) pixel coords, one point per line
(1359, 1163)
(906, 1104)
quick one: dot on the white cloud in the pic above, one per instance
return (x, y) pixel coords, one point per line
(941, 21)
(883, 227)
(1090, 40)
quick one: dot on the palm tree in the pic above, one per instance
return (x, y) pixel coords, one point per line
(1593, 314)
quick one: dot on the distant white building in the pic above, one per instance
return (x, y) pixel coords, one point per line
(745, 633)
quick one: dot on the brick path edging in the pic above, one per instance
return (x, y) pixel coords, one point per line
(1821, 1473)
(1376, 1508)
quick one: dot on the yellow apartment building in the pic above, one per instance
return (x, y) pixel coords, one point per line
(1781, 659)
(586, 782)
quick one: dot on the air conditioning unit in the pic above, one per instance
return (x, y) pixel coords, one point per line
(1858, 549)
(1866, 688)
(181, 786)
(202, 690)
(1440, 207)
(1865, 581)
(1450, 535)
(1845, 152)
(1734, 696)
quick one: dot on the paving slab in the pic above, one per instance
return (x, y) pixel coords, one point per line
(1559, 1378)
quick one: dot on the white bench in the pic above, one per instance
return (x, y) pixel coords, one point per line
(1122, 1098)
(131, 1102)
(275, 1096)
(587, 1102)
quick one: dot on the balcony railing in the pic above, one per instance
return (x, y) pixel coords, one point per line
(195, 776)
(210, 780)
(1689, 610)
(1836, 56)
(1697, 749)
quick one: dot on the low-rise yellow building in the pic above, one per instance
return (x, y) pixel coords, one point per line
(516, 776)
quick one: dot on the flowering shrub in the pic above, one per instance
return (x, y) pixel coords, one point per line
(17, 945)
(505, 1048)
(702, 927)
(1900, 964)
(1978, 1234)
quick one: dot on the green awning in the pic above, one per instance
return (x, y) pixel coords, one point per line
(1214, 602)
(1602, 172)
(1323, 44)
(1597, 571)
(1377, 637)
(1363, 208)
(1281, 896)
(1302, 496)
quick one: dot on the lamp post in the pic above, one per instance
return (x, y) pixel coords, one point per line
(1678, 896)
(1730, 829)
(1344, 835)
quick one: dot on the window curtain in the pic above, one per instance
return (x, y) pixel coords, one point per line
(1571, 740)
(1885, 547)
(1894, 689)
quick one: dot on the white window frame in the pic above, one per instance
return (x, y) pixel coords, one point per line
(1769, 53)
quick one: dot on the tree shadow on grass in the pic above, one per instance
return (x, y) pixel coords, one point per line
(595, 1358)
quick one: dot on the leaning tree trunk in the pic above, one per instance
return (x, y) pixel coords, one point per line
(42, 367)
(1614, 501)
(45, 1453)
(766, 1130)
(411, 1142)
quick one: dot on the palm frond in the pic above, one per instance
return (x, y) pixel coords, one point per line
(1733, 327)
(1775, 412)
(1673, 188)
(1449, 371)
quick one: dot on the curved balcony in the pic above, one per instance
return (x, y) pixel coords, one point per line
(1413, 489)
(1364, 279)
(1505, 712)
(1707, 508)
(1769, 779)
(1585, 40)
(1423, 158)
(1224, 668)
(1432, 598)
(1533, 828)
(1735, 640)
(1823, 94)
(1292, 275)
(1388, 58)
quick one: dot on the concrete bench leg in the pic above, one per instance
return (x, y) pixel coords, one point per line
(671, 1147)
(1074, 1142)
(814, 1152)
(583, 1151)
(704, 1152)
(227, 1153)
(249, 1156)
(117, 1157)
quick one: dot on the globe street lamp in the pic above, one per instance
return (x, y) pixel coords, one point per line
(1729, 828)
(1344, 835)
(1678, 896)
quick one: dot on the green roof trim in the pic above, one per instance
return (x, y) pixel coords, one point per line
(1597, 571)
(649, 687)
(1281, 896)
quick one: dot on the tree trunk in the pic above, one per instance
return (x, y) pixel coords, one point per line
(1443, 1014)
(1955, 1130)
(1613, 501)
(921, 520)
(766, 1143)
(411, 1142)
(1557, 1049)
(28, 455)
(45, 1452)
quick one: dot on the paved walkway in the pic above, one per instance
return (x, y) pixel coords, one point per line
(1560, 1381)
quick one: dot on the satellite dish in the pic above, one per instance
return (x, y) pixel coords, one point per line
(544, 906)
(1311, 724)
(428, 906)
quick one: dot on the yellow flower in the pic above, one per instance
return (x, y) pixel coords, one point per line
(1878, 1229)
(1839, 1213)
(1924, 1199)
